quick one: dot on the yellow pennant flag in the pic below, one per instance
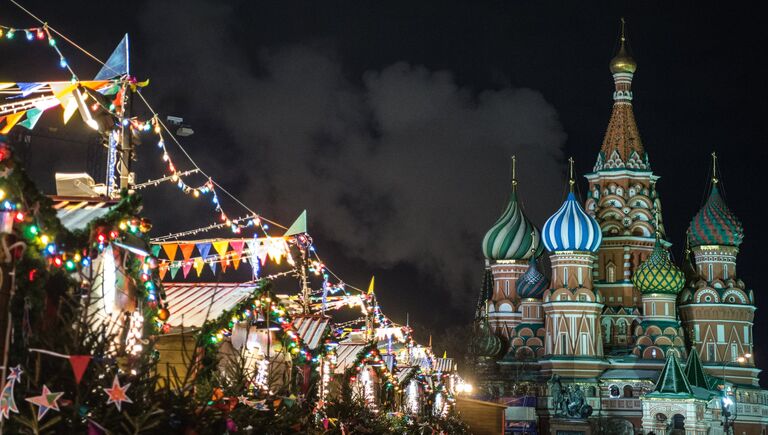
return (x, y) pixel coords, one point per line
(11, 120)
(198, 265)
(370, 286)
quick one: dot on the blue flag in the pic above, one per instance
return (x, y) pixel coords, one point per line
(117, 64)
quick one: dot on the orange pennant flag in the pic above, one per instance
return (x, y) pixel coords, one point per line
(162, 270)
(198, 265)
(11, 120)
(186, 250)
(237, 252)
(170, 250)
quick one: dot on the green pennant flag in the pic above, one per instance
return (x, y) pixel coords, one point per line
(299, 226)
(174, 269)
(33, 115)
(156, 250)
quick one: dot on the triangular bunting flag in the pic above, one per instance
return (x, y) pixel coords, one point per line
(33, 115)
(156, 250)
(199, 264)
(170, 250)
(186, 268)
(298, 226)
(28, 88)
(162, 270)
(174, 268)
(221, 248)
(79, 364)
(63, 93)
(237, 252)
(204, 249)
(11, 120)
(186, 250)
(118, 63)
(370, 286)
(212, 265)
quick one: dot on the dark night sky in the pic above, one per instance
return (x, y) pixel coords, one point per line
(392, 122)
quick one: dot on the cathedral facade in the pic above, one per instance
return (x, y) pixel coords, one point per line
(615, 337)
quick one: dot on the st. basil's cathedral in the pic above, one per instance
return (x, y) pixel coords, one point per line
(617, 338)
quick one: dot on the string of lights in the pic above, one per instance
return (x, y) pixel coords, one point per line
(40, 33)
(252, 219)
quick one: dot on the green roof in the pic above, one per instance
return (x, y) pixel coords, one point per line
(695, 372)
(672, 381)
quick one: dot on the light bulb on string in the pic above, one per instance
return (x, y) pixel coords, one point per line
(40, 34)
(11, 33)
(30, 36)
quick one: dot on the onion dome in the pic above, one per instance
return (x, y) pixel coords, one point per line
(513, 236)
(658, 274)
(571, 229)
(532, 283)
(623, 62)
(715, 224)
(485, 343)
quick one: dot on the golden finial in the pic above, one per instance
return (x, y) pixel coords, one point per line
(714, 168)
(514, 173)
(623, 37)
(571, 181)
(623, 62)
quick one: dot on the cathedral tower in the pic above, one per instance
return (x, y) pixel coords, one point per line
(507, 247)
(572, 307)
(717, 308)
(622, 197)
(659, 281)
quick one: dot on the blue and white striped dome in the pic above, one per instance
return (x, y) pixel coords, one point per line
(571, 229)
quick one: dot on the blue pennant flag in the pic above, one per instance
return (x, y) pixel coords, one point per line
(118, 63)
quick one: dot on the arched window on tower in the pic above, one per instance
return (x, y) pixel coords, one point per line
(621, 327)
(607, 330)
(610, 271)
(628, 392)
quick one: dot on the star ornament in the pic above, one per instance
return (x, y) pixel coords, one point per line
(46, 401)
(117, 393)
(15, 373)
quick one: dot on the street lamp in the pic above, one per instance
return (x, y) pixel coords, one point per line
(726, 401)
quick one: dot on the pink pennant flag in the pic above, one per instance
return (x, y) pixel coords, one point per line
(237, 252)
(186, 268)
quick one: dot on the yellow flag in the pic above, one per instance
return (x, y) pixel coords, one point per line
(11, 120)
(370, 286)
(198, 265)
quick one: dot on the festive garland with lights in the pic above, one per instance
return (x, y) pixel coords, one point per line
(54, 252)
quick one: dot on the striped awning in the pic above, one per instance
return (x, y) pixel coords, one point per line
(346, 353)
(191, 304)
(403, 373)
(443, 365)
(311, 328)
(76, 212)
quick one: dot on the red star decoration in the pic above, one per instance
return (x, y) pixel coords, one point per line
(117, 393)
(45, 401)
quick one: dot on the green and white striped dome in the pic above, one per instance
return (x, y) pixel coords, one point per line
(513, 236)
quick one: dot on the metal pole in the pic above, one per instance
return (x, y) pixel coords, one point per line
(126, 143)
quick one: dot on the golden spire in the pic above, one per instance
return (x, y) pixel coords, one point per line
(623, 62)
(571, 181)
(714, 168)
